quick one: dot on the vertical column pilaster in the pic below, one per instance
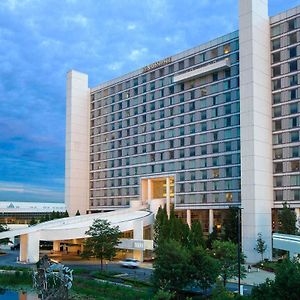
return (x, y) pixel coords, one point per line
(189, 217)
(210, 220)
(256, 126)
(168, 198)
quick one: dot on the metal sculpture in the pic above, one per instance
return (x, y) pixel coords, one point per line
(52, 280)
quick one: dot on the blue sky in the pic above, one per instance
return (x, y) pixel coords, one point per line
(40, 40)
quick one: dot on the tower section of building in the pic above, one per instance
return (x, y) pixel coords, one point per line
(178, 119)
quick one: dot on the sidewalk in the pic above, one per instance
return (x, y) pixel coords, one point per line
(256, 277)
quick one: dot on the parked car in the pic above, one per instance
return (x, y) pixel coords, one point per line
(130, 263)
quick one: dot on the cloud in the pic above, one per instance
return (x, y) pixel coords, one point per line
(77, 19)
(115, 66)
(14, 5)
(13, 187)
(131, 26)
(137, 54)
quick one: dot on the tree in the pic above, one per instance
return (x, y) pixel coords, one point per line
(230, 225)
(195, 236)
(285, 286)
(66, 214)
(226, 253)
(171, 266)
(261, 246)
(32, 222)
(287, 220)
(160, 226)
(2, 229)
(213, 236)
(204, 268)
(102, 241)
(77, 213)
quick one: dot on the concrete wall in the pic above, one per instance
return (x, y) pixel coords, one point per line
(77, 143)
(256, 125)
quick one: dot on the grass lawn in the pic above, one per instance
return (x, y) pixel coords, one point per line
(106, 291)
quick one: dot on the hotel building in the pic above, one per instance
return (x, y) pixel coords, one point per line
(209, 128)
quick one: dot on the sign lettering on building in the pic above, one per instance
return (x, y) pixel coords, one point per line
(157, 64)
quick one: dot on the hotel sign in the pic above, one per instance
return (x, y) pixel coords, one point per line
(157, 64)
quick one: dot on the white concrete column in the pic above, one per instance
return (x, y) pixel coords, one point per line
(56, 246)
(29, 247)
(297, 211)
(210, 220)
(138, 235)
(149, 190)
(188, 217)
(256, 126)
(77, 143)
(168, 198)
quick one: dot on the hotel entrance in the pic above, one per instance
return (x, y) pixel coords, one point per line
(158, 191)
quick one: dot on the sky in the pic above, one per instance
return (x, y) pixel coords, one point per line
(41, 40)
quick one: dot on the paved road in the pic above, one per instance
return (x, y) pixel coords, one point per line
(142, 273)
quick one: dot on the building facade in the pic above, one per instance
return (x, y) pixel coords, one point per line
(203, 130)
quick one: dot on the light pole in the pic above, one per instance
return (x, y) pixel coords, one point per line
(239, 247)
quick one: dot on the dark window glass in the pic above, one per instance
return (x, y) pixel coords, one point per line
(291, 24)
(181, 65)
(276, 57)
(293, 38)
(276, 44)
(293, 66)
(293, 52)
(276, 98)
(276, 71)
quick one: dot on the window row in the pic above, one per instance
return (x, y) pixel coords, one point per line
(286, 137)
(285, 68)
(168, 145)
(287, 166)
(223, 160)
(285, 41)
(287, 195)
(289, 53)
(170, 104)
(286, 152)
(286, 109)
(284, 27)
(208, 198)
(287, 180)
(284, 96)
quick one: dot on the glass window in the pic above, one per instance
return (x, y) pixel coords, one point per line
(191, 61)
(278, 181)
(293, 38)
(295, 152)
(278, 167)
(295, 166)
(293, 80)
(277, 111)
(276, 98)
(294, 108)
(276, 71)
(181, 65)
(276, 57)
(294, 136)
(292, 24)
(293, 52)
(275, 44)
(276, 84)
(276, 30)
(279, 196)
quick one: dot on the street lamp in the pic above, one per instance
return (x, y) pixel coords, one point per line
(239, 247)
